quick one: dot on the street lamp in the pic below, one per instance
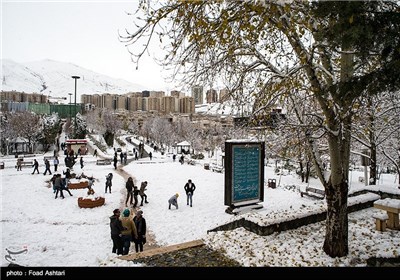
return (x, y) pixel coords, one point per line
(75, 78)
(70, 115)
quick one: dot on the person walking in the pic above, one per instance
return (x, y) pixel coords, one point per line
(81, 162)
(55, 163)
(19, 164)
(109, 181)
(58, 182)
(150, 155)
(95, 153)
(129, 233)
(129, 188)
(116, 229)
(135, 196)
(67, 177)
(173, 200)
(189, 189)
(143, 196)
(64, 185)
(35, 166)
(115, 162)
(140, 224)
(47, 165)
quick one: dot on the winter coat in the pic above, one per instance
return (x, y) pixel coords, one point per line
(173, 200)
(109, 180)
(135, 191)
(129, 185)
(142, 188)
(129, 227)
(189, 188)
(116, 225)
(140, 224)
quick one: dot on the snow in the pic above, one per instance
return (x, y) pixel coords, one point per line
(53, 230)
(389, 202)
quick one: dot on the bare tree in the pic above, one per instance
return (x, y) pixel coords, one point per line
(24, 124)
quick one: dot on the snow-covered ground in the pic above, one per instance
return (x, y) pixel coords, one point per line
(51, 232)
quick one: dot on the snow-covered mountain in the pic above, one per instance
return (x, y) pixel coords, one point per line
(53, 78)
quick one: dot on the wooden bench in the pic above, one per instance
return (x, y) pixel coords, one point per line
(103, 162)
(26, 164)
(380, 221)
(190, 161)
(26, 156)
(314, 192)
(392, 208)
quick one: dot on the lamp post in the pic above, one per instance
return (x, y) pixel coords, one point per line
(75, 78)
(70, 115)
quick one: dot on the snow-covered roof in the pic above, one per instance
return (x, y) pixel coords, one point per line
(19, 140)
(183, 143)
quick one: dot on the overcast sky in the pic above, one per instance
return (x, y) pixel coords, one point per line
(81, 32)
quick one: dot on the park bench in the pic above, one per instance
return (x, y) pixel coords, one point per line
(49, 158)
(380, 220)
(190, 161)
(216, 168)
(392, 208)
(26, 156)
(103, 162)
(26, 163)
(314, 192)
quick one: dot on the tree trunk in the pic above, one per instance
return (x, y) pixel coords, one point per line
(301, 171)
(336, 233)
(308, 167)
(372, 168)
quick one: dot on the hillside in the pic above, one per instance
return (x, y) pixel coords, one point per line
(53, 78)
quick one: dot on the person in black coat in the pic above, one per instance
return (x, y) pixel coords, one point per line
(140, 224)
(116, 228)
(129, 188)
(115, 162)
(109, 181)
(189, 189)
(35, 166)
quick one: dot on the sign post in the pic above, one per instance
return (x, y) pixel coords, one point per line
(244, 175)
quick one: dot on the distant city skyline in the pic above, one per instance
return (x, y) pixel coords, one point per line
(83, 33)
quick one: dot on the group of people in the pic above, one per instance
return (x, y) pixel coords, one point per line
(133, 192)
(60, 184)
(36, 165)
(125, 229)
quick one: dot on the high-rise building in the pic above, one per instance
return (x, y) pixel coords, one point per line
(154, 103)
(211, 96)
(224, 95)
(186, 105)
(197, 94)
(169, 104)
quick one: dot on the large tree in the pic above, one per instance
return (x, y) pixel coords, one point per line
(327, 54)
